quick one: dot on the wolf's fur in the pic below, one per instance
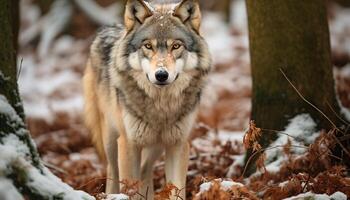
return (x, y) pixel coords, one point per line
(122, 98)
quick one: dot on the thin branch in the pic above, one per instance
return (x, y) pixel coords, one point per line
(341, 119)
(275, 147)
(57, 19)
(280, 132)
(265, 149)
(301, 96)
(307, 182)
(51, 166)
(341, 145)
(20, 68)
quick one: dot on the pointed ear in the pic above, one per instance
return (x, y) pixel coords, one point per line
(136, 12)
(189, 13)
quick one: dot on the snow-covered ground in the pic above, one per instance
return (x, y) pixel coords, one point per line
(15, 158)
(51, 91)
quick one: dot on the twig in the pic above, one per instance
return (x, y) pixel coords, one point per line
(177, 193)
(280, 132)
(147, 192)
(98, 190)
(344, 138)
(307, 182)
(92, 180)
(54, 167)
(301, 96)
(341, 145)
(20, 68)
(262, 150)
(341, 119)
(274, 147)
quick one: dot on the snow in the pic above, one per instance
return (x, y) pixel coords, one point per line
(338, 26)
(310, 195)
(218, 37)
(204, 143)
(53, 84)
(224, 184)
(15, 153)
(6, 109)
(54, 23)
(117, 197)
(342, 72)
(225, 135)
(301, 132)
(229, 184)
(238, 161)
(238, 16)
(8, 191)
(3, 77)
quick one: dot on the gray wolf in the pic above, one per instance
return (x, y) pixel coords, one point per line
(142, 86)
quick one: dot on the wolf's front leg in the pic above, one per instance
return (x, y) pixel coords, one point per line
(149, 156)
(176, 163)
(129, 159)
(111, 149)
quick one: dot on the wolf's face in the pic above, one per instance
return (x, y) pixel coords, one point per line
(163, 43)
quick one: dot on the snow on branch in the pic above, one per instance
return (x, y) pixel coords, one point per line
(56, 20)
(49, 26)
(18, 174)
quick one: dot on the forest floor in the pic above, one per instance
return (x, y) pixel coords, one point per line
(51, 90)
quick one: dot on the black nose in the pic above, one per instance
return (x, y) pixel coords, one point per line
(161, 75)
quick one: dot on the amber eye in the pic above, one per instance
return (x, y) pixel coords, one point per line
(148, 46)
(176, 46)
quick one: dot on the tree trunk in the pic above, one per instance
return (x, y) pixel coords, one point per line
(9, 16)
(291, 36)
(22, 175)
(345, 3)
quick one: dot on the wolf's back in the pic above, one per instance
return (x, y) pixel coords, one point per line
(96, 85)
(92, 112)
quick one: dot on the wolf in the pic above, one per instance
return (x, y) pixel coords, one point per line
(142, 87)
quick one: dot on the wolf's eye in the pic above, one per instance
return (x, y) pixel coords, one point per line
(148, 46)
(176, 46)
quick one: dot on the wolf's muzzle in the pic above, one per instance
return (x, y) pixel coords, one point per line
(161, 75)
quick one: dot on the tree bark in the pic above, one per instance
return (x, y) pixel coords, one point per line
(9, 15)
(291, 36)
(21, 169)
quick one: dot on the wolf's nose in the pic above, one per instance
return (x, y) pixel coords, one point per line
(161, 75)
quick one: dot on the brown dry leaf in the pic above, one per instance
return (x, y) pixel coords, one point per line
(260, 162)
(166, 192)
(217, 192)
(287, 147)
(256, 146)
(251, 135)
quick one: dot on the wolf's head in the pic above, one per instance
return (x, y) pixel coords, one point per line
(163, 41)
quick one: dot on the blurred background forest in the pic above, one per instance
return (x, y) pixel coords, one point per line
(54, 41)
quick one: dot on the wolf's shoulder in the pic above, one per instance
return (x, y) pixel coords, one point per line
(109, 34)
(106, 38)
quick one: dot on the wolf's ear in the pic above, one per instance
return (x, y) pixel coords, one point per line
(189, 13)
(136, 11)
